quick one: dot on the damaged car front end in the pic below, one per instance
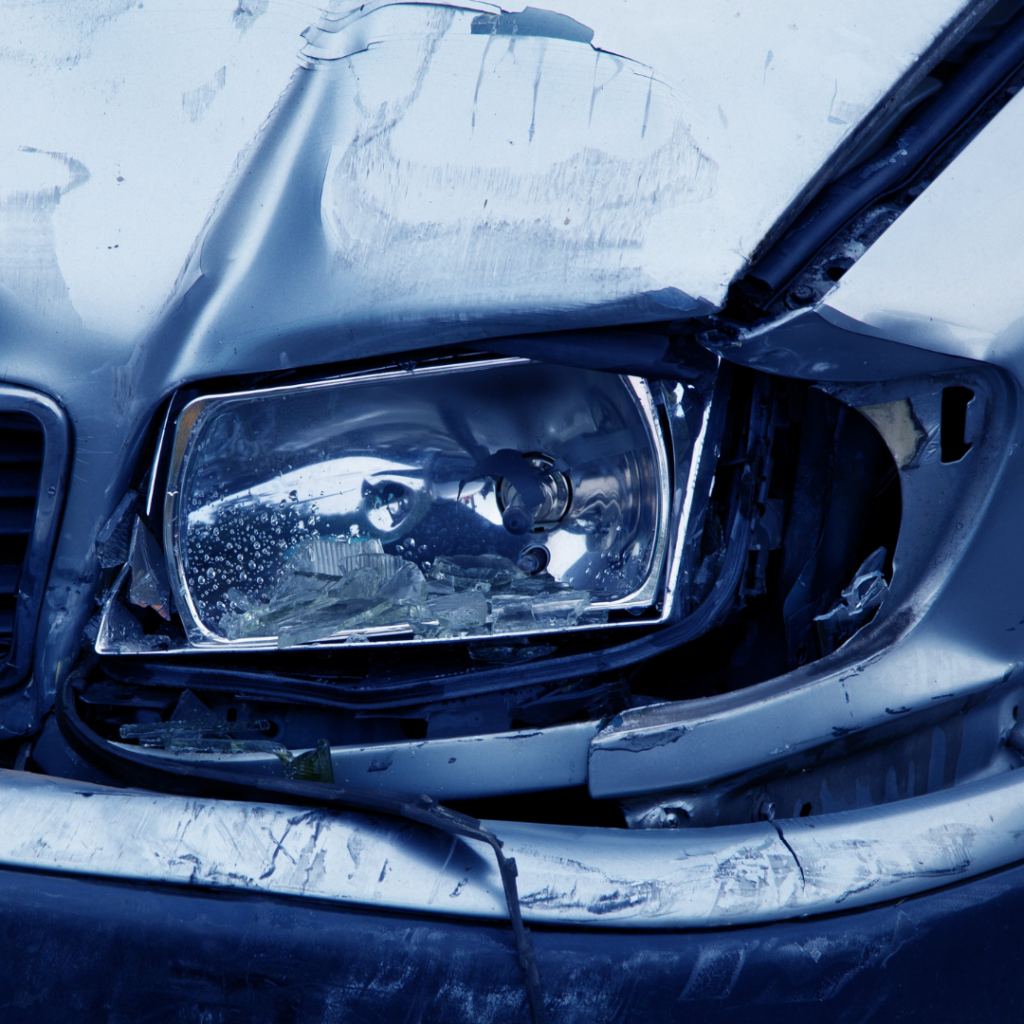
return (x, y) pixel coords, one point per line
(568, 475)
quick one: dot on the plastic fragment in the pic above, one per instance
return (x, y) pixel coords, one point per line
(856, 605)
(193, 727)
(313, 766)
(115, 537)
(509, 653)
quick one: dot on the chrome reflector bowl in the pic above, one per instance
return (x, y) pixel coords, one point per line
(499, 496)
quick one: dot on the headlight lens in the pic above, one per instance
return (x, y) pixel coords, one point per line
(499, 496)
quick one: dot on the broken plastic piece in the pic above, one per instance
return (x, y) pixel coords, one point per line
(313, 766)
(113, 540)
(856, 605)
(665, 812)
(194, 727)
(149, 587)
(509, 653)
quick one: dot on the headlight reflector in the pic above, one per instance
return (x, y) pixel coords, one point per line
(498, 496)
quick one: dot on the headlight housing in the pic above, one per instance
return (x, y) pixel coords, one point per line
(449, 501)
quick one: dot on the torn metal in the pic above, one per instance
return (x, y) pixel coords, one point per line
(806, 520)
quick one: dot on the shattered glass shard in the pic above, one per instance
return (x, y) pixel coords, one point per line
(512, 613)
(124, 632)
(467, 570)
(560, 612)
(408, 584)
(542, 583)
(461, 611)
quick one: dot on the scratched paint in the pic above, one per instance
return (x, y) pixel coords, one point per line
(617, 879)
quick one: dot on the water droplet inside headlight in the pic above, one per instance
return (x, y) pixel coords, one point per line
(500, 496)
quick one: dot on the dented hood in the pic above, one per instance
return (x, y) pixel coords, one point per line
(419, 171)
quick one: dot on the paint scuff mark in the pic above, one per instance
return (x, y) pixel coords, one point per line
(636, 742)
(247, 12)
(533, 21)
(715, 974)
(536, 89)
(197, 101)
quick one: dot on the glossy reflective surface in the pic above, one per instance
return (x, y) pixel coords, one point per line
(495, 497)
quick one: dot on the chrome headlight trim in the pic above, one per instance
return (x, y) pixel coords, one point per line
(673, 482)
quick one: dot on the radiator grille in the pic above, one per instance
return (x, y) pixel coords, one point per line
(21, 466)
(34, 449)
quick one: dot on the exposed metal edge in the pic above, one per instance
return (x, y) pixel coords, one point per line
(946, 38)
(568, 876)
(454, 768)
(49, 502)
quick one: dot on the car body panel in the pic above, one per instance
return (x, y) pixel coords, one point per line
(568, 876)
(248, 210)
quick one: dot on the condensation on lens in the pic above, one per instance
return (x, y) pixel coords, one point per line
(438, 502)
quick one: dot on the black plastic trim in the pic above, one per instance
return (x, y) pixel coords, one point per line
(49, 501)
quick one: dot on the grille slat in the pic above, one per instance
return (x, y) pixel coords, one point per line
(9, 576)
(16, 516)
(21, 465)
(19, 480)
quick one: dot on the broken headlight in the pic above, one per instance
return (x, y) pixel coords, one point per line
(445, 502)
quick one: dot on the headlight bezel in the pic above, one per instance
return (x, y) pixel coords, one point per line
(677, 436)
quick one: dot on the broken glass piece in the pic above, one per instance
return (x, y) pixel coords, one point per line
(332, 617)
(124, 632)
(191, 709)
(856, 605)
(313, 766)
(542, 583)
(329, 587)
(560, 612)
(462, 611)
(113, 540)
(511, 613)
(149, 586)
(466, 571)
(442, 587)
(407, 585)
